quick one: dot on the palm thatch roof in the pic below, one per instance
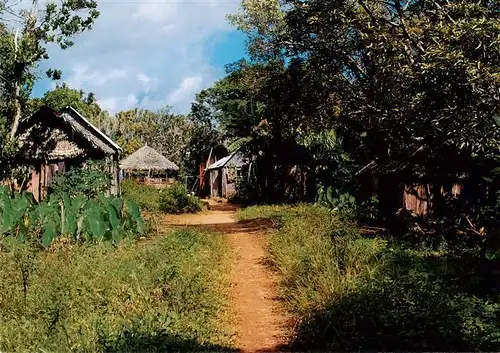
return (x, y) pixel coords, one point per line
(49, 135)
(146, 158)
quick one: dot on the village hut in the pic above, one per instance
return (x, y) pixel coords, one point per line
(52, 142)
(419, 184)
(150, 166)
(222, 176)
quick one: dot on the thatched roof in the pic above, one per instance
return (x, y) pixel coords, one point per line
(146, 158)
(49, 135)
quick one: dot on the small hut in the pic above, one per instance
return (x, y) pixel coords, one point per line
(149, 166)
(223, 175)
(52, 142)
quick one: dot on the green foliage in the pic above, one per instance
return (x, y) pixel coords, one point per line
(247, 192)
(163, 294)
(8, 150)
(77, 218)
(352, 293)
(273, 212)
(147, 197)
(342, 203)
(25, 46)
(163, 130)
(63, 96)
(332, 165)
(90, 180)
(369, 88)
(176, 199)
(22, 48)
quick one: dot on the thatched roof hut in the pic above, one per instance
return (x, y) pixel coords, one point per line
(48, 135)
(147, 159)
(52, 142)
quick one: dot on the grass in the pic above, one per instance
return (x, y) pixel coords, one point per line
(147, 197)
(267, 211)
(165, 293)
(351, 293)
(174, 199)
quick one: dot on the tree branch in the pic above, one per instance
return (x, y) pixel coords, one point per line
(368, 11)
(397, 5)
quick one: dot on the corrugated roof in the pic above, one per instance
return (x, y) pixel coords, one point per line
(220, 163)
(223, 161)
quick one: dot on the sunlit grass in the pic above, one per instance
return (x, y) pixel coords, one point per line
(160, 294)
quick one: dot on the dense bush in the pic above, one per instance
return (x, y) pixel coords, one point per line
(90, 180)
(351, 293)
(176, 199)
(147, 197)
(163, 294)
(247, 192)
(77, 218)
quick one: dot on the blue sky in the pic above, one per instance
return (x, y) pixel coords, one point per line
(150, 53)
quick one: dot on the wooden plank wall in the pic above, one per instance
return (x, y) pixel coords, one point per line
(41, 178)
(418, 198)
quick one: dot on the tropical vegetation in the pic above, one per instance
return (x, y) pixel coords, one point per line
(337, 103)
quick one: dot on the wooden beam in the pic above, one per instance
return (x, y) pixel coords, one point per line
(115, 176)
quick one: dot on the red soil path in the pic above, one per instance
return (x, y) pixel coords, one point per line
(259, 323)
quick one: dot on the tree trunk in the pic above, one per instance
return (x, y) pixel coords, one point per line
(29, 29)
(17, 112)
(17, 94)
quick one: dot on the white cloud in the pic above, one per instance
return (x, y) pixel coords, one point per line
(168, 27)
(146, 82)
(82, 75)
(187, 88)
(114, 104)
(156, 11)
(110, 103)
(146, 53)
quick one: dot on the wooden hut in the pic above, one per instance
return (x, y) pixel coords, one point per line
(222, 175)
(52, 142)
(419, 184)
(149, 166)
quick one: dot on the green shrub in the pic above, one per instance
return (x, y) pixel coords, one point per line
(147, 197)
(247, 192)
(351, 293)
(77, 218)
(163, 294)
(90, 180)
(176, 199)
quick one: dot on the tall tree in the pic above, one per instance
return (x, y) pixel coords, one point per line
(163, 130)
(405, 84)
(63, 96)
(24, 45)
(400, 77)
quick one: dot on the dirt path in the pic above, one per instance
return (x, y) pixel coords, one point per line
(259, 324)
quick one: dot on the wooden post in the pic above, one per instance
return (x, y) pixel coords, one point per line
(224, 175)
(115, 176)
(35, 183)
(211, 183)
